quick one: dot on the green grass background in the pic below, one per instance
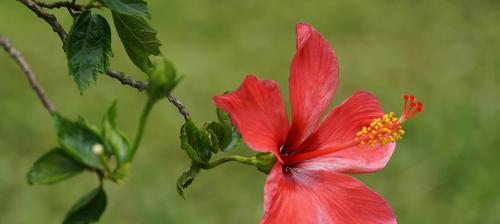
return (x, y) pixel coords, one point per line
(446, 170)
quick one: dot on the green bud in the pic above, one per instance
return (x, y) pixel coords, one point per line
(162, 77)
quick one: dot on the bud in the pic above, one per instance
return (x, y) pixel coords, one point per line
(98, 149)
(162, 77)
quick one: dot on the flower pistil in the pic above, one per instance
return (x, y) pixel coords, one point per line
(388, 129)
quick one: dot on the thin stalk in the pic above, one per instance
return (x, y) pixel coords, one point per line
(236, 158)
(140, 128)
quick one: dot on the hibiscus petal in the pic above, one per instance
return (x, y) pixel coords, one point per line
(332, 146)
(353, 160)
(341, 124)
(307, 196)
(258, 112)
(313, 80)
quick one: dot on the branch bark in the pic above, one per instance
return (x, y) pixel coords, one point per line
(49, 18)
(177, 103)
(16, 55)
(126, 80)
(62, 4)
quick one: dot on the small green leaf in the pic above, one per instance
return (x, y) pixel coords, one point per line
(187, 178)
(226, 122)
(227, 135)
(77, 139)
(138, 38)
(88, 47)
(196, 142)
(53, 167)
(224, 117)
(88, 209)
(162, 78)
(128, 7)
(113, 137)
(217, 134)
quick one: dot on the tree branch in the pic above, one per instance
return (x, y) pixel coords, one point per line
(126, 80)
(16, 55)
(141, 86)
(120, 76)
(177, 103)
(61, 4)
(49, 18)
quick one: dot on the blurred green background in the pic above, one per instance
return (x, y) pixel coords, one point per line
(445, 52)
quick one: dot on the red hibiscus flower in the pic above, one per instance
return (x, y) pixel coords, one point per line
(308, 183)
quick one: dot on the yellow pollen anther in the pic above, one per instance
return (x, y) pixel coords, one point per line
(381, 131)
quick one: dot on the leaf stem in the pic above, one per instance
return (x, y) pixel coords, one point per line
(140, 128)
(236, 158)
(104, 161)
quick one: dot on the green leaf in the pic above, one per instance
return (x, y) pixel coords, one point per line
(115, 139)
(187, 178)
(77, 139)
(88, 48)
(128, 7)
(227, 135)
(217, 133)
(138, 38)
(224, 119)
(53, 167)
(88, 209)
(196, 142)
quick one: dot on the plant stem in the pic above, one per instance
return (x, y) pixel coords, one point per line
(105, 164)
(60, 4)
(177, 103)
(25, 67)
(49, 18)
(240, 159)
(140, 128)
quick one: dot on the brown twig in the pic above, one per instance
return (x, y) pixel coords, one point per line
(16, 55)
(141, 86)
(120, 76)
(126, 80)
(62, 4)
(177, 103)
(49, 18)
